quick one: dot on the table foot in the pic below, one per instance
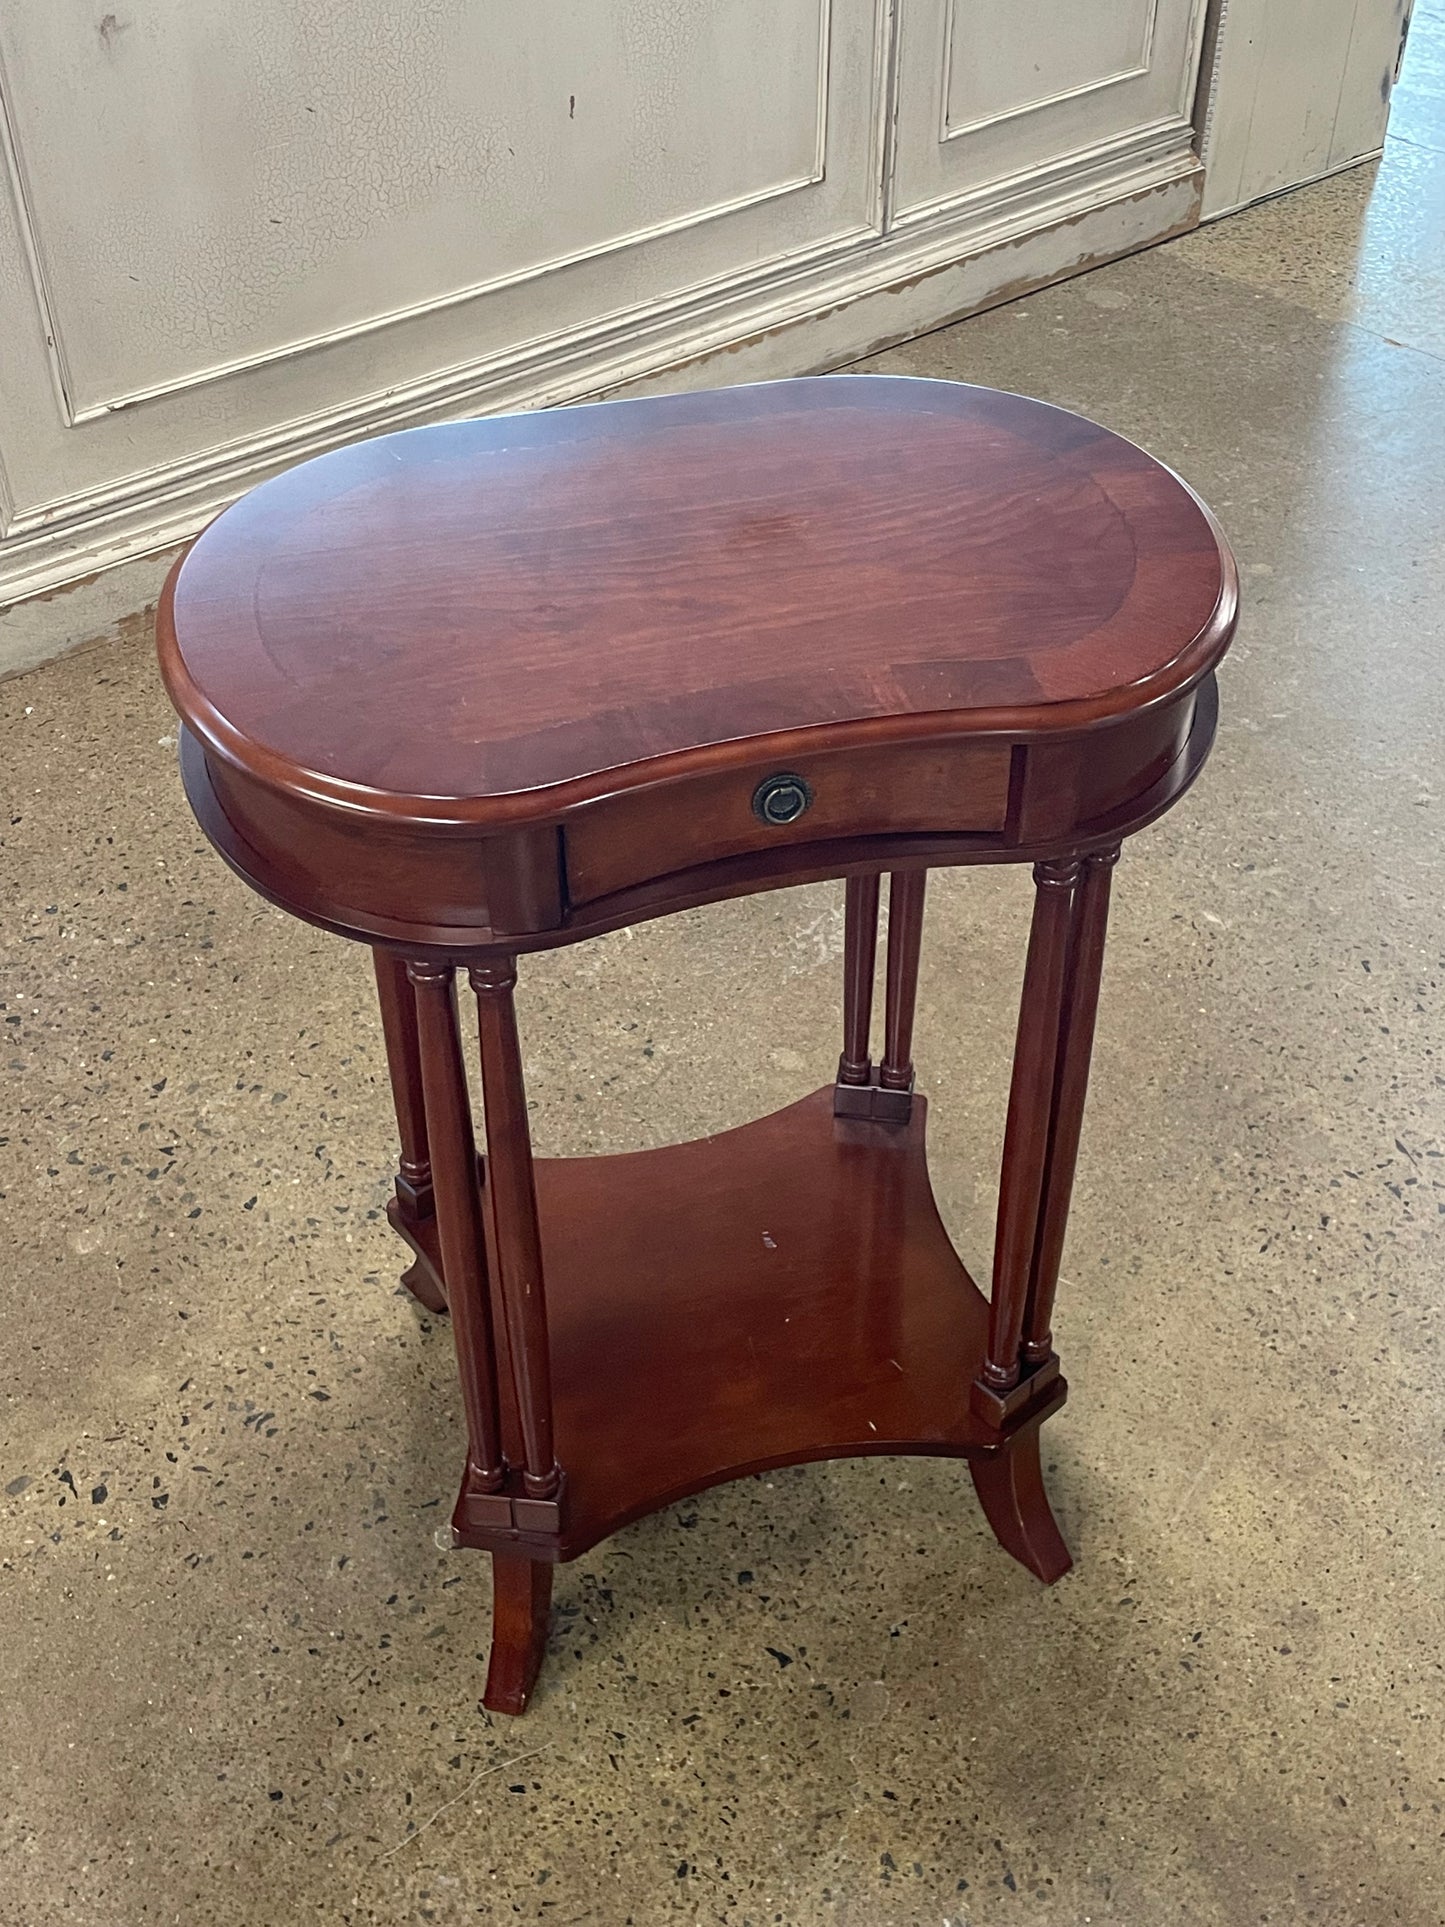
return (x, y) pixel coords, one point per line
(521, 1614)
(423, 1278)
(1010, 1489)
(420, 1281)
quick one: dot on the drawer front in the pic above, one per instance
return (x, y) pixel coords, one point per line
(940, 787)
(395, 881)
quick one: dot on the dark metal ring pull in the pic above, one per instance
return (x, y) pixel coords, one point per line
(781, 799)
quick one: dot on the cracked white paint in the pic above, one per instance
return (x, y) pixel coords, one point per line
(208, 183)
(251, 234)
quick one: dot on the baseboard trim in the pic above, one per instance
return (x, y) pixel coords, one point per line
(1209, 214)
(816, 312)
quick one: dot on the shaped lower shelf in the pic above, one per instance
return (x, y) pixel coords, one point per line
(779, 1293)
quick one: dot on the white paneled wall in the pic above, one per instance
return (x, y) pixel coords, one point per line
(1298, 89)
(230, 238)
(999, 93)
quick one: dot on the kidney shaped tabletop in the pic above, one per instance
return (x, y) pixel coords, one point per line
(509, 616)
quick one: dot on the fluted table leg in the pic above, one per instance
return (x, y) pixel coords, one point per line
(414, 1203)
(1026, 1133)
(1071, 1086)
(906, 890)
(459, 1215)
(1009, 1482)
(517, 1243)
(860, 952)
(886, 1097)
(522, 1587)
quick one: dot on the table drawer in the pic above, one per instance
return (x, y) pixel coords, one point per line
(947, 786)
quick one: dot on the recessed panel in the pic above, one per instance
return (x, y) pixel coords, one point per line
(206, 186)
(1004, 63)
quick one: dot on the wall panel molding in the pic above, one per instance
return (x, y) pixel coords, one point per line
(820, 308)
(76, 412)
(1166, 143)
(947, 131)
(10, 158)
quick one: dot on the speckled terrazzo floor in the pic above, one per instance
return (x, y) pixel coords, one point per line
(241, 1677)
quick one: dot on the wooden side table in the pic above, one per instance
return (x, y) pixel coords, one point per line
(473, 691)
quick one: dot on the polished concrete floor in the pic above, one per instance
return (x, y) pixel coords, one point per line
(241, 1675)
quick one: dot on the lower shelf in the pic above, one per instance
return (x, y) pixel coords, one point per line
(780, 1293)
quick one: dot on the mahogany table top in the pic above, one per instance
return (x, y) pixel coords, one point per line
(521, 613)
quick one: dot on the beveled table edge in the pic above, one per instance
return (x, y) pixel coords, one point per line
(710, 882)
(549, 803)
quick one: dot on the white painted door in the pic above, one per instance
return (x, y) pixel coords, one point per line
(1055, 95)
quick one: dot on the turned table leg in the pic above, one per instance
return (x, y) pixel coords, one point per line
(1026, 1133)
(517, 1242)
(860, 951)
(889, 1098)
(459, 1215)
(905, 942)
(522, 1586)
(1041, 1137)
(414, 1202)
(1088, 928)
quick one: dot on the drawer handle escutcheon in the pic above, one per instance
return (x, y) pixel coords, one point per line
(781, 799)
